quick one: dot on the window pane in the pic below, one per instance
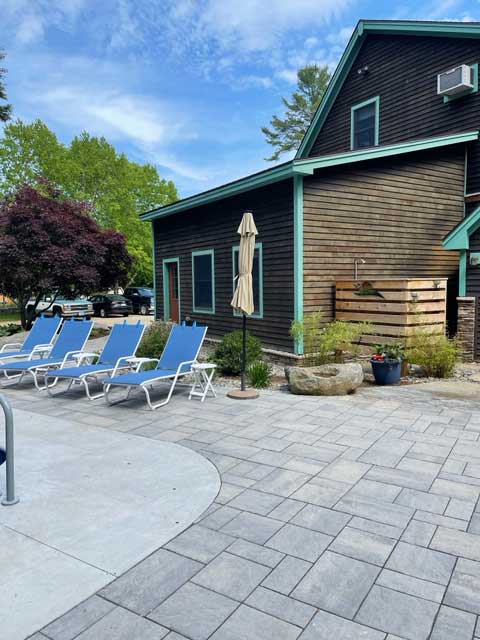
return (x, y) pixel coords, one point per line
(364, 126)
(203, 284)
(255, 277)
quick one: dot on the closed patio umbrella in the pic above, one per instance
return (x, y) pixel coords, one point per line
(242, 300)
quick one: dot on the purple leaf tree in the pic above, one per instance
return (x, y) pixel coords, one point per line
(51, 244)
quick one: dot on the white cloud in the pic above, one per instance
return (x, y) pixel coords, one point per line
(340, 37)
(289, 75)
(311, 42)
(264, 82)
(257, 26)
(117, 115)
(31, 18)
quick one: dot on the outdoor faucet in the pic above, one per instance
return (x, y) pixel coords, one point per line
(355, 266)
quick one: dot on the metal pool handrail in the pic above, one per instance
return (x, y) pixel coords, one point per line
(9, 450)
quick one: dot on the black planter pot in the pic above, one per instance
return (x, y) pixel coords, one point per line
(386, 371)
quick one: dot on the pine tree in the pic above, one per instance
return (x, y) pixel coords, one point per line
(5, 109)
(287, 133)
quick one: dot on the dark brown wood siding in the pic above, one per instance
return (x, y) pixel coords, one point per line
(403, 70)
(393, 212)
(214, 226)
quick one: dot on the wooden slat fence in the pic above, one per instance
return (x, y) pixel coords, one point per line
(394, 307)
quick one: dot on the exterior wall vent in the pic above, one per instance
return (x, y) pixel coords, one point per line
(455, 81)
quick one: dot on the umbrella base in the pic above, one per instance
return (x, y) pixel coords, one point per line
(247, 394)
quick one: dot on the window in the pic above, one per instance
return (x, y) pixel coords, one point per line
(203, 277)
(257, 278)
(365, 120)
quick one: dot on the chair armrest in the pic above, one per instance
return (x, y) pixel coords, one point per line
(182, 364)
(9, 345)
(40, 349)
(71, 355)
(128, 360)
(83, 356)
(140, 361)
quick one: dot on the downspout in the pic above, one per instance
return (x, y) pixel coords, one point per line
(298, 254)
(462, 274)
(154, 273)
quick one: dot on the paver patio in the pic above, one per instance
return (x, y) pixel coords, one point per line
(341, 518)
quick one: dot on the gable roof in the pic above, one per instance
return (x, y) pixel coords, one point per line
(459, 237)
(363, 28)
(306, 166)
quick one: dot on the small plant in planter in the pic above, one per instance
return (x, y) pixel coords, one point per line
(387, 363)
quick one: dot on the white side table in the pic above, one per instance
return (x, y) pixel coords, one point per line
(203, 374)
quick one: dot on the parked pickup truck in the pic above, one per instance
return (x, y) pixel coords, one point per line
(77, 308)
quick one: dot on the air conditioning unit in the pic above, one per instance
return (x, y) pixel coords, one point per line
(455, 81)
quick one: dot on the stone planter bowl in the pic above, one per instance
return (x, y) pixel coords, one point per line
(325, 380)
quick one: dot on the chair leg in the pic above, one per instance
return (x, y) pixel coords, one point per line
(84, 381)
(10, 380)
(48, 387)
(164, 402)
(107, 394)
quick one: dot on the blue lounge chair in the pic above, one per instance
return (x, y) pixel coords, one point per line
(117, 353)
(38, 342)
(71, 341)
(180, 352)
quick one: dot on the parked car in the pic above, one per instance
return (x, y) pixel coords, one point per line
(141, 298)
(74, 308)
(110, 304)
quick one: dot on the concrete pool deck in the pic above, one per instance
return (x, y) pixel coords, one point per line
(93, 503)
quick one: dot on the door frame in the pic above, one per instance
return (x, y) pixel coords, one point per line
(166, 288)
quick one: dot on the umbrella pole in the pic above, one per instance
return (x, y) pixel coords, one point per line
(243, 393)
(244, 351)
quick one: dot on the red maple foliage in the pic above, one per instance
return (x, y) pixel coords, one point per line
(49, 243)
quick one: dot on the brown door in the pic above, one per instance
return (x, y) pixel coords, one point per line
(173, 299)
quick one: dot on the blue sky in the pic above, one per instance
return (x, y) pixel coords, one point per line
(183, 84)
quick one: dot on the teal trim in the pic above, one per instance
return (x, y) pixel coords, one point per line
(423, 28)
(166, 289)
(307, 166)
(298, 254)
(259, 246)
(211, 253)
(254, 181)
(355, 107)
(459, 237)
(333, 89)
(363, 28)
(154, 267)
(469, 92)
(462, 274)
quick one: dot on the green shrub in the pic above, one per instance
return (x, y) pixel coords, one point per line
(228, 354)
(434, 352)
(9, 329)
(259, 374)
(154, 340)
(99, 332)
(327, 343)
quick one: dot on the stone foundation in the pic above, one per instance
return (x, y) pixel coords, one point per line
(466, 327)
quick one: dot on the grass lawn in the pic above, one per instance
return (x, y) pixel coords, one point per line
(12, 316)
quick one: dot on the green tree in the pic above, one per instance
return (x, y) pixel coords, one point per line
(287, 133)
(5, 109)
(90, 170)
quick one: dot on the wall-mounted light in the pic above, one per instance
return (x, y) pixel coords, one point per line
(363, 71)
